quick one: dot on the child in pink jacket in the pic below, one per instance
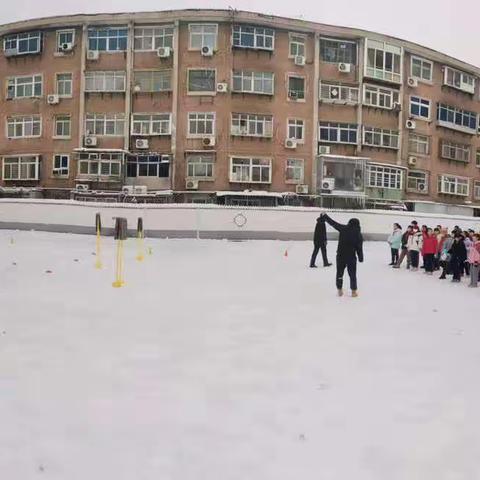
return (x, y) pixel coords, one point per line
(474, 260)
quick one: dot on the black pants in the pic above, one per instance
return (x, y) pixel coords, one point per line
(429, 259)
(319, 246)
(351, 265)
(394, 252)
(457, 266)
(414, 258)
(466, 267)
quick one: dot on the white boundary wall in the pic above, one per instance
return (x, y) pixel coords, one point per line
(205, 221)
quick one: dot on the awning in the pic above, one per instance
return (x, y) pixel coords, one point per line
(250, 193)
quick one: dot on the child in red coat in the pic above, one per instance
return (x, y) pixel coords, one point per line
(430, 247)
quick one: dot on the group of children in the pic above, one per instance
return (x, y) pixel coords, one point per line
(456, 253)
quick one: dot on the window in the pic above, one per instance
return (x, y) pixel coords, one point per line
(97, 81)
(24, 126)
(421, 69)
(105, 124)
(253, 82)
(456, 118)
(64, 37)
(100, 164)
(419, 144)
(383, 61)
(63, 127)
(60, 165)
(200, 165)
(201, 81)
(477, 158)
(23, 167)
(24, 87)
(245, 36)
(294, 172)
(455, 151)
(201, 124)
(296, 87)
(380, 137)
(251, 125)
(384, 177)
(330, 92)
(151, 124)
(147, 39)
(148, 166)
(64, 84)
(338, 132)
(153, 81)
(450, 185)
(459, 80)
(476, 189)
(250, 170)
(296, 46)
(295, 129)
(338, 51)
(22, 43)
(417, 181)
(203, 35)
(107, 39)
(420, 108)
(380, 97)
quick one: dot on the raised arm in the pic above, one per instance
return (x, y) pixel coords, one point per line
(333, 223)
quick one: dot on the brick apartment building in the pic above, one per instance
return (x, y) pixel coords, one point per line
(234, 107)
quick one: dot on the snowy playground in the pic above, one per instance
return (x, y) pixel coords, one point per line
(227, 360)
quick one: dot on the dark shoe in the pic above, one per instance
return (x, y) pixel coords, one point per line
(328, 265)
(442, 277)
(396, 266)
(313, 266)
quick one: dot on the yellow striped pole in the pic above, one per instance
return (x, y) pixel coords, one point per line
(120, 236)
(140, 241)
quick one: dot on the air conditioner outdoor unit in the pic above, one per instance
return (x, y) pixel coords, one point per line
(301, 189)
(293, 94)
(222, 87)
(53, 99)
(421, 187)
(207, 51)
(324, 149)
(127, 189)
(344, 67)
(10, 93)
(66, 47)
(410, 124)
(90, 141)
(397, 106)
(328, 184)
(412, 161)
(299, 60)
(290, 143)
(191, 184)
(137, 88)
(81, 187)
(93, 55)
(11, 52)
(208, 141)
(141, 143)
(140, 190)
(412, 82)
(164, 52)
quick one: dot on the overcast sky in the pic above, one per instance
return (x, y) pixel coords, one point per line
(450, 26)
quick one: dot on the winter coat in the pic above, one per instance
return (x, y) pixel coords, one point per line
(430, 245)
(468, 244)
(458, 251)
(415, 242)
(405, 239)
(320, 234)
(395, 239)
(474, 253)
(350, 240)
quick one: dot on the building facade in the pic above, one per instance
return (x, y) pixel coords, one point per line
(235, 107)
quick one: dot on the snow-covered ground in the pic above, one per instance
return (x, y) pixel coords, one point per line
(231, 361)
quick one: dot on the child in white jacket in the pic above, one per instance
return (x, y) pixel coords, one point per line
(414, 246)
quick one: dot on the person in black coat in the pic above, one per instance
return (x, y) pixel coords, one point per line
(458, 253)
(350, 246)
(320, 242)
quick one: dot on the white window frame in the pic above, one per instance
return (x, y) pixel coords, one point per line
(107, 38)
(385, 177)
(197, 162)
(298, 169)
(100, 158)
(213, 91)
(339, 41)
(296, 124)
(102, 78)
(152, 81)
(345, 93)
(242, 124)
(418, 141)
(380, 97)
(466, 81)
(150, 121)
(12, 42)
(292, 95)
(67, 31)
(293, 41)
(197, 117)
(339, 128)
(57, 171)
(453, 183)
(249, 166)
(416, 177)
(454, 111)
(24, 121)
(257, 34)
(102, 120)
(383, 73)
(461, 152)
(253, 78)
(18, 177)
(159, 37)
(420, 102)
(65, 82)
(477, 157)
(14, 85)
(382, 134)
(192, 26)
(423, 62)
(476, 189)
(62, 119)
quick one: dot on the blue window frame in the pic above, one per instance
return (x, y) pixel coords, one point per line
(338, 132)
(107, 39)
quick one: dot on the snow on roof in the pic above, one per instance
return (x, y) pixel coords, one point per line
(250, 193)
